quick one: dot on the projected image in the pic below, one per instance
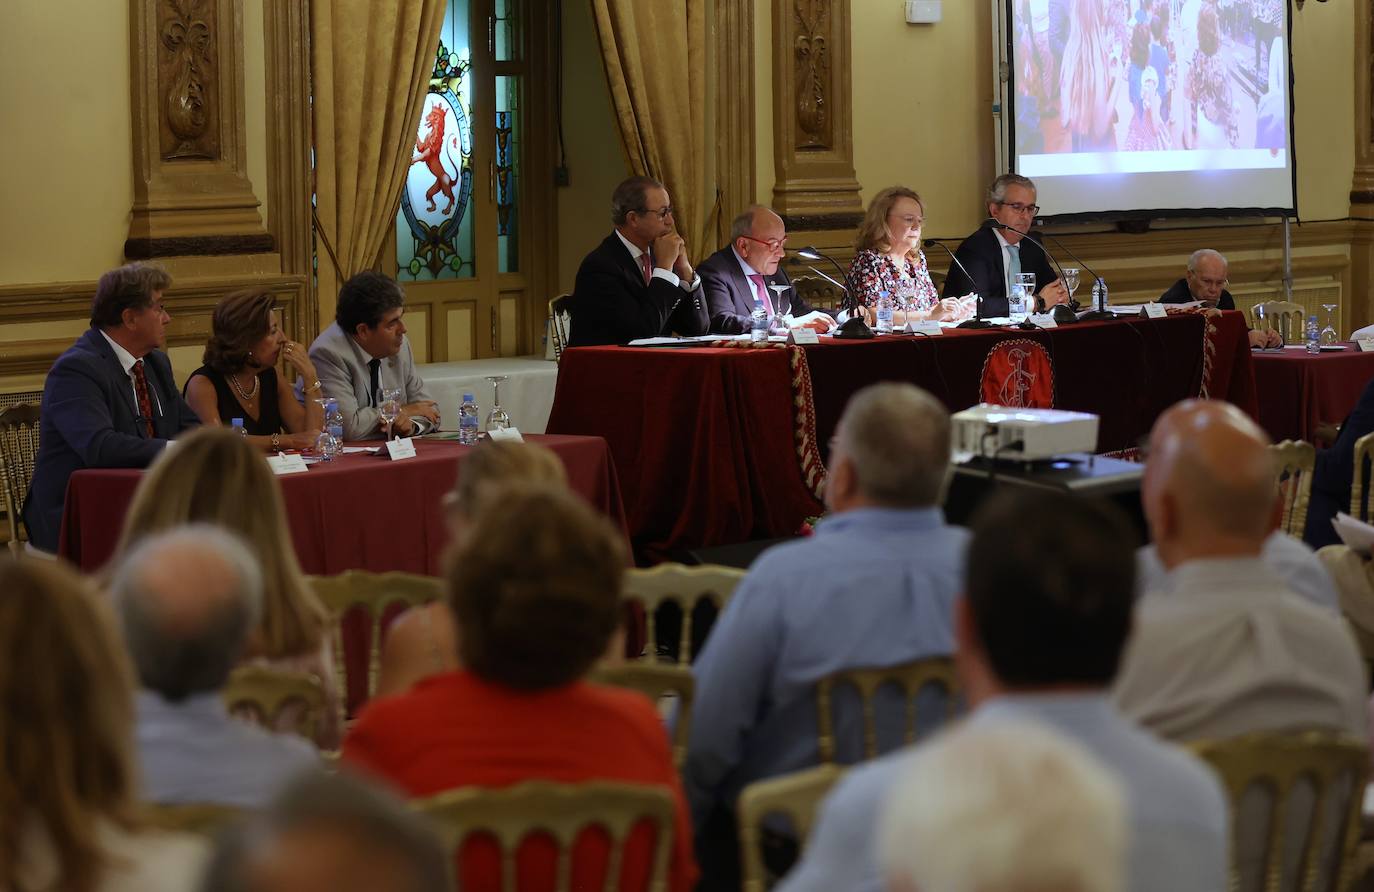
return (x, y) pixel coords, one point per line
(1140, 86)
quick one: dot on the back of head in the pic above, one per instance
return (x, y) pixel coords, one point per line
(1050, 586)
(66, 719)
(495, 464)
(129, 287)
(365, 298)
(629, 196)
(187, 600)
(214, 477)
(1004, 806)
(535, 587)
(330, 833)
(896, 439)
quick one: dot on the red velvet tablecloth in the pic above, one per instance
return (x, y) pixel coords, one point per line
(705, 438)
(1298, 391)
(356, 512)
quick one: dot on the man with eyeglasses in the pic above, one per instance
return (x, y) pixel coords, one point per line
(747, 273)
(1206, 282)
(638, 283)
(994, 255)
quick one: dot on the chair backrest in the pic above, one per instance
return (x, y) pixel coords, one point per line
(199, 818)
(1295, 460)
(1364, 452)
(683, 586)
(264, 695)
(1332, 766)
(796, 796)
(1353, 576)
(558, 324)
(18, 452)
(562, 811)
(910, 678)
(373, 594)
(1283, 316)
(657, 682)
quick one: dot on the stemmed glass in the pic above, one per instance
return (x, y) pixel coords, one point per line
(1329, 335)
(326, 446)
(388, 406)
(782, 306)
(498, 419)
(1070, 281)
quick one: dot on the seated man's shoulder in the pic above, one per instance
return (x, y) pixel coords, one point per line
(715, 265)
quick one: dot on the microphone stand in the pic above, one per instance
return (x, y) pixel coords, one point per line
(853, 327)
(1061, 318)
(1088, 269)
(977, 321)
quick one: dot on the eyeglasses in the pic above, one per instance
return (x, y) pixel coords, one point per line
(772, 244)
(662, 213)
(912, 222)
(1021, 208)
(1210, 283)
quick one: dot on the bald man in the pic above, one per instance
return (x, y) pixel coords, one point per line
(1231, 648)
(1206, 281)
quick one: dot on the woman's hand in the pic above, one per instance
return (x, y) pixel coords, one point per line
(298, 358)
(948, 310)
(303, 441)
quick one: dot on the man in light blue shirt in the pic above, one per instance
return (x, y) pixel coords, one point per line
(187, 601)
(1040, 631)
(873, 587)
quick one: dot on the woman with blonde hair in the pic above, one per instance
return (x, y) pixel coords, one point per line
(888, 258)
(68, 819)
(213, 477)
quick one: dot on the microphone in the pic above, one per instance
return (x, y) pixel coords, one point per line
(977, 321)
(853, 327)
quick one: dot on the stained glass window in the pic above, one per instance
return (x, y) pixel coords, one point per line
(507, 172)
(434, 228)
(507, 34)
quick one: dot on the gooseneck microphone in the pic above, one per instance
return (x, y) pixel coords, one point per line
(855, 326)
(977, 321)
(1068, 315)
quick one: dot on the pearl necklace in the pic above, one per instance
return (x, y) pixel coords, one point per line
(248, 397)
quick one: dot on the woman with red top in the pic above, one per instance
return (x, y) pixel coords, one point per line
(888, 258)
(535, 592)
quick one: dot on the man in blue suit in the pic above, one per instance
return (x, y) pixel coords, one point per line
(110, 401)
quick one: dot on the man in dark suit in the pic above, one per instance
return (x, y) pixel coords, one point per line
(110, 401)
(992, 255)
(747, 273)
(1206, 281)
(638, 283)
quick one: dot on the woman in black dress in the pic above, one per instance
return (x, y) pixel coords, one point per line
(239, 378)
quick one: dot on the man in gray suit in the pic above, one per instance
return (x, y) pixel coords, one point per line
(366, 349)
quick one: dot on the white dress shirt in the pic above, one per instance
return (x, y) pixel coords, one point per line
(127, 360)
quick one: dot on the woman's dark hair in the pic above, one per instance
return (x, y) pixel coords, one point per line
(240, 320)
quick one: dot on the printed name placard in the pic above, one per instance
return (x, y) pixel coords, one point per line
(510, 434)
(402, 448)
(924, 327)
(1043, 320)
(287, 463)
(1154, 310)
(801, 336)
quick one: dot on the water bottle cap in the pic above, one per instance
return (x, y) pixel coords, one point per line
(331, 405)
(237, 422)
(467, 398)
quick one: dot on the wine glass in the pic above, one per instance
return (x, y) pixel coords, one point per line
(388, 406)
(782, 306)
(498, 419)
(1070, 281)
(326, 445)
(1329, 335)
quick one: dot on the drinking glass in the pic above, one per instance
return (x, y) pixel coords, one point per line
(326, 446)
(1070, 280)
(782, 306)
(388, 406)
(498, 419)
(1329, 335)
(1025, 283)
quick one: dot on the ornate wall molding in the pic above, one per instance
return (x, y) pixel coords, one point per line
(812, 127)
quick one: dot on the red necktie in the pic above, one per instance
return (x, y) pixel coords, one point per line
(763, 292)
(647, 265)
(145, 405)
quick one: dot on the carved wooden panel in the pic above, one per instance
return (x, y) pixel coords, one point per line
(811, 58)
(187, 76)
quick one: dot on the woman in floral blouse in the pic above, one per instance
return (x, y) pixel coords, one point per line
(888, 258)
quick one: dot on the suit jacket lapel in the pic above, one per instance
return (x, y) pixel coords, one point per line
(123, 384)
(742, 287)
(625, 261)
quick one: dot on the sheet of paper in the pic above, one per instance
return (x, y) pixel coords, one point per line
(1355, 533)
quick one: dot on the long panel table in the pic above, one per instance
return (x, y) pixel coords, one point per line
(1298, 391)
(356, 512)
(705, 439)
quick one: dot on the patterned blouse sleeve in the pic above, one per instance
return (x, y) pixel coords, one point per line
(865, 278)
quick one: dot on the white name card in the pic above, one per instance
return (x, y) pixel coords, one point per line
(801, 336)
(1366, 345)
(1153, 310)
(287, 463)
(924, 327)
(399, 449)
(510, 435)
(1043, 320)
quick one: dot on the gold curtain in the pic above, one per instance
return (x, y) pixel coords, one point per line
(654, 52)
(370, 71)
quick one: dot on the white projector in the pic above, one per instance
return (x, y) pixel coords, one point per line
(1021, 434)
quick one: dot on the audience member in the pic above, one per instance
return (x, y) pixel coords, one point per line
(1286, 557)
(747, 273)
(366, 350)
(1009, 805)
(188, 600)
(245, 343)
(110, 401)
(1232, 649)
(214, 477)
(1044, 618)
(639, 282)
(888, 260)
(874, 586)
(535, 590)
(68, 787)
(422, 641)
(1333, 478)
(329, 833)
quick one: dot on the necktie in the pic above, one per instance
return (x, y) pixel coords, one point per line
(374, 368)
(761, 292)
(145, 405)
(1013, 265)
(646, 264)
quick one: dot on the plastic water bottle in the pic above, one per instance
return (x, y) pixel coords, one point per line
(238, 428)
(467, 421)
(758, 323)
(1100, 299)
(1314, 338)
(334, 426)
(884, 312)
(1016, 301)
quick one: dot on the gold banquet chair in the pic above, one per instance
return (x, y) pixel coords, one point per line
(562, 811)
(265, 695)
(18, 452)
(1283, 316)
(797, 797)
(199, 818)
(559, 321)
(1353, 576)
(1278, 764)
(373, 594)
(910, 678)
(683, 586)
(1364, 454)
(657, 682)
(1295, 460)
